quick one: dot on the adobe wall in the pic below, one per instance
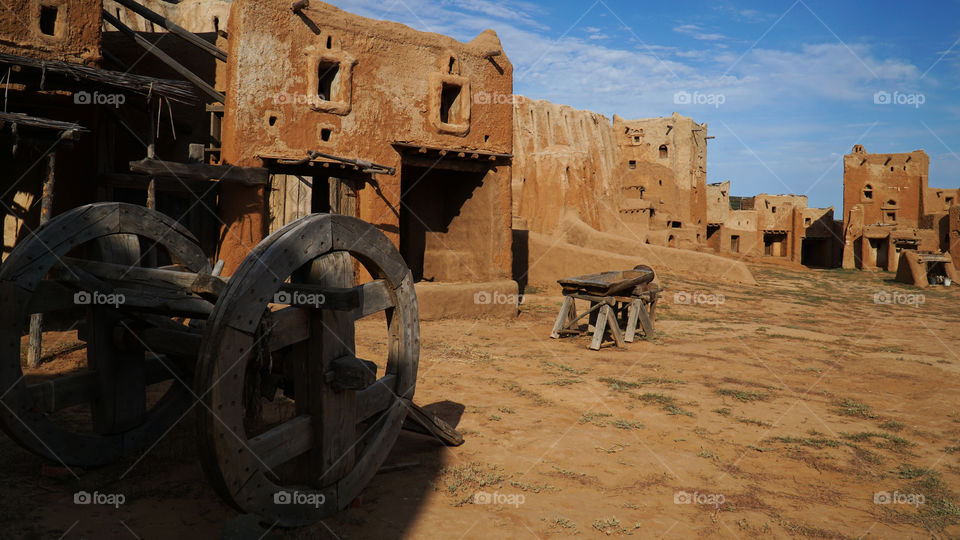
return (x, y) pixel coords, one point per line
(610, 175)
(65, 30)
(775, 212)
(565, 162)
(875, 180)
(197, 16)
(578, 249)
(389, 89)
(742, 224)
(718, 202)
(937, 200)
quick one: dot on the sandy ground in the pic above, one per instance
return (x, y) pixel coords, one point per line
(795, 408)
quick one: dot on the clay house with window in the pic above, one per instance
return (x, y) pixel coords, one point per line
(883, 208)
(667, 159)
(407, 130)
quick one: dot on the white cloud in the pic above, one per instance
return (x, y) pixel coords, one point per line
(696, 32)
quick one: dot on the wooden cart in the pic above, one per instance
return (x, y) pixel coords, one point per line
(267, 359)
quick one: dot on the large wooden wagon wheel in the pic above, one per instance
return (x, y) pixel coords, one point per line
(286, 320)
(66, 270)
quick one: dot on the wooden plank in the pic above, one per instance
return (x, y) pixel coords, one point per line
(563, 318)
(600, 327)
(120, 404)
(375, 398)
(636, 305)
(176, 343)
(248, 176)
(333, 411)
(281, 444)
(277, 201)
(292, 205)
(615, 327)
(185, 281)
(645, 319)
(305, 197)
(421, 421)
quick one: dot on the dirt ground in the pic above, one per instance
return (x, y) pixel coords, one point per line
(806, 406)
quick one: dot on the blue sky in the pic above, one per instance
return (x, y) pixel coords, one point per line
(786, 87)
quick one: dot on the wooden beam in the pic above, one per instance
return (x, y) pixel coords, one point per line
(35, 346)
(248, 176)
(362, 300)
(174, 29)
(164, 57)
(420, 421)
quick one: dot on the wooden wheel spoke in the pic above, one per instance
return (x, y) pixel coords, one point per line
(376, 398)
(362, 300)
(288, 326)
(284, 442)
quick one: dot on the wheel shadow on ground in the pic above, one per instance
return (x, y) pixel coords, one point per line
(392, 503)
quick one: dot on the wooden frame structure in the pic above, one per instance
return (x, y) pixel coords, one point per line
(606, 313)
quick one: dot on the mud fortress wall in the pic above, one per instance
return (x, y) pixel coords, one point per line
(642, 179)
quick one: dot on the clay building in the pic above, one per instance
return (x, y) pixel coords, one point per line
(730, 228)
(884, 210)
(666, 160)
(63, 30)
(780, 226)
(422, 114)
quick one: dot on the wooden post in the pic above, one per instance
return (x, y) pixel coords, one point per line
(152, 184)
(563, 319)
(35, 350)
